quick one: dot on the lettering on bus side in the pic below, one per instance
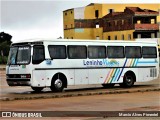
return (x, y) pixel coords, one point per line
(103, 62)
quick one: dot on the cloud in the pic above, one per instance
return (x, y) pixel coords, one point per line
(29, 19)
(39, 18)
(34, 33)
(29, 13)
(26, 13)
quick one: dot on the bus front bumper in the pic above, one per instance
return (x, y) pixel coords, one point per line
(18, 79)
(18, 82)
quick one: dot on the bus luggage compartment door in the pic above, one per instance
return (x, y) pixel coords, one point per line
(81, 77)
(39, 78)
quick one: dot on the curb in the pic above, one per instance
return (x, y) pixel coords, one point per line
(64, 95)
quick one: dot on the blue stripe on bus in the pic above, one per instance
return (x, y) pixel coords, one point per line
(117, 74)
(134, 62)
(122, 69)
(114, 75)
(137, 62)
(147, 62)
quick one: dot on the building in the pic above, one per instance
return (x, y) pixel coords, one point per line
(131, 24)
(112, 21)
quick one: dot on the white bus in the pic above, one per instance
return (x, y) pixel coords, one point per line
(60, 63)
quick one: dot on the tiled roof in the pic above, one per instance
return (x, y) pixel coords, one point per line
(133, 11)
(113, 14)
(137, 10)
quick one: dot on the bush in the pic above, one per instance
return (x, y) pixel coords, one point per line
(3, 60)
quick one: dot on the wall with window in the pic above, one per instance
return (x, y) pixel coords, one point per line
(68, 19)
(69, 34)
(88, 33)
(98, 32)
(83, 33)
(92, 11)
(126, 33)
(117, 23)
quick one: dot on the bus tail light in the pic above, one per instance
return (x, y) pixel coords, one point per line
(28, 76)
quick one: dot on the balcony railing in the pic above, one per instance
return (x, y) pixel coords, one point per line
(146, 27)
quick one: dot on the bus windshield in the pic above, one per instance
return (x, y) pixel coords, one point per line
(19, 55)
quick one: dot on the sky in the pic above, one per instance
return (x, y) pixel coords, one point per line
(27, 19)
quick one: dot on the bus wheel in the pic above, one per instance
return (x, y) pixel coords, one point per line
(57, 85)
(108, 85)
(37, 89)
(128, 80)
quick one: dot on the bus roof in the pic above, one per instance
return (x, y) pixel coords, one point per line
(145, 40)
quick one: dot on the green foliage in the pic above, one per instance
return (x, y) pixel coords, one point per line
(4, 46)
(3, 60)
(5, 42)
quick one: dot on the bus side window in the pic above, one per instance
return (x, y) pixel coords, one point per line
(149, 52)
(38, 54)
(57, 51)
(133, 52)
(96, 52)
(115, 51)
(77, 52)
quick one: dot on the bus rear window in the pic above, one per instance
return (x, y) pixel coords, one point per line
(57, 51)
(149, 52)
(38, 54)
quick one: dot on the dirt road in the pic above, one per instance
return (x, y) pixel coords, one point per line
(111, 102)
(144, 100)
(140, 101)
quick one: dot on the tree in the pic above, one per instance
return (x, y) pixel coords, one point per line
(5, 37)
(5, 41)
